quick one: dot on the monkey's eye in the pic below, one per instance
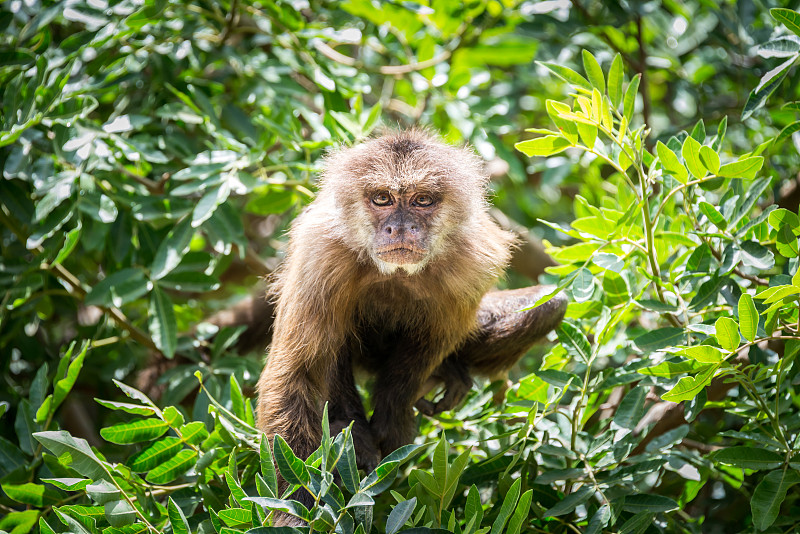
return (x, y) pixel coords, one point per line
(382, 199)
(423, 201)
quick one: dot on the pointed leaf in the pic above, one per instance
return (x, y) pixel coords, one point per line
(671, 163)
(172, 468)
(789, 18)
(507, 507)
(748, 317)
(768, 496)
(543, 146)
(691, 155)
(157, 453)
(135, 431)
(710, 159)
(574, 341)
(162, 324)
(400, 514)
(80, 456)
(593, 71)
(745, 168)
(570, 502)
(630, 97)
(615, 75)
(749, 457)
(291, 467)
(727, 333)
(568, 75)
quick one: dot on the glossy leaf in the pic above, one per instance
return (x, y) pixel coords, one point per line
(748, 317)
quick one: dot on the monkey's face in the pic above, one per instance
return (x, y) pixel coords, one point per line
(402, 221)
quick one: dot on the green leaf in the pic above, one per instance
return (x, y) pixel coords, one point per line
(172, 249)
(630, 97)
(649, 503)
(236, 517)
(727, 333)
(631, 409)
(569, 76)
(76, 527)
(789, 18)
(206, 206)
(691, 155)
(755, 255)
(32, 494)
(767, 85)
(75, 452)
(157, 453)
(703, 354)
(69, 484)
(128, 407)
(748, 317)
(660, 338)
(671, 369)
(400, 514)
(749, 457)
(713, 215)
(193, 432)
(380, 479)
(786, 242)
(291, 467)
(768, 496)
(583, 285)
(162, 324)
(615, 75)
(509, 502)
(600, 520)
(543, 146)
(570, 502)
(587, 133)
(593, 71)
(69, 244)
(64, 385)
(172, 468)
(521, 513)
(707, 293)
(268, 467)
(22, 522)
(710, 159)
(283, 505)
(781, 217)
(574, 341)
(134, 432)
(177, 519)
(689, 386)
(671, 163)
(788, 131)
(118, 288)
(745, 168)
(119, 513)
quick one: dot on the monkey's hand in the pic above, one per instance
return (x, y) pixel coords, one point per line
(457, 383)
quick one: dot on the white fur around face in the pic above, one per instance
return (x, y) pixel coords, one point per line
(387, 268)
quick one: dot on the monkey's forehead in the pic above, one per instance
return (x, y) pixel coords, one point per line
(405, 161)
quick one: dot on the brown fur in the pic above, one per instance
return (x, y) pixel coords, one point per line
(337, 307)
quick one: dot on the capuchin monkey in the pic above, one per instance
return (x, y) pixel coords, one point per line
(389, 271)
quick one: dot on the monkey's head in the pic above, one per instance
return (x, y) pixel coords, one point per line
(406, 198)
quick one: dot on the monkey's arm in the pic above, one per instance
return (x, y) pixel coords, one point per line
(504, 334)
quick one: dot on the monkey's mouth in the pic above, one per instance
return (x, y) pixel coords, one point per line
(401, 254)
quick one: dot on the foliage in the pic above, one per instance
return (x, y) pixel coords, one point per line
(153, 153)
